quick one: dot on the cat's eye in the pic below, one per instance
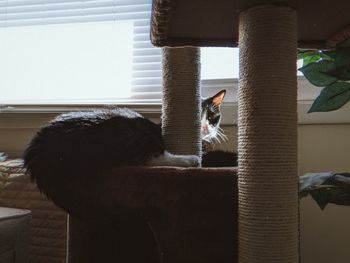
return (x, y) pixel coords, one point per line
(214, 119)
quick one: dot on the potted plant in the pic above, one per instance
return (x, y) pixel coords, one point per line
(329, 69)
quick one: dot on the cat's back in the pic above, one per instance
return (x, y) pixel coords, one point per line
(92, 123)
(93, 118)
(120, 136)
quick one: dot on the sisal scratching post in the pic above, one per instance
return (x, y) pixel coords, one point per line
(267, 136)
(181, 100)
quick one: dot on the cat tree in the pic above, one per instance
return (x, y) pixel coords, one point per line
(192, 212)
(157, 214)
(268, 33)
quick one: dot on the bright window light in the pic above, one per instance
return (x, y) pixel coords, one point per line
(223, 63)
(66, 63)
(219, 63)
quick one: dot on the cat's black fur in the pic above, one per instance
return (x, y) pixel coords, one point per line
(219, 158)
(79, 143)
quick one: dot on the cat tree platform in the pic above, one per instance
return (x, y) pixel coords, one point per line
(321, 24)
(151, 214)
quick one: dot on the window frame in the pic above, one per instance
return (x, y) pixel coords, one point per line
(152, 108)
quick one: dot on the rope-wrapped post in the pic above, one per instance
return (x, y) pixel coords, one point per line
(181, 100)
(267, 136)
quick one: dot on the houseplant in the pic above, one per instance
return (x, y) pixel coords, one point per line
(329, 69)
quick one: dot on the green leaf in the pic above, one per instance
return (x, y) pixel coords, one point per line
(312, 180)
(341, 180)
(309, 60)
(340, 196)
(309, 56)
(341, 69)
(328, 54)
(322, 196)
(307, 53)
(326, 188)
(303, 194)
(332, 97)
(330, 194)
(345, 43)
(341, 72)
(342, 56)
(316, 73)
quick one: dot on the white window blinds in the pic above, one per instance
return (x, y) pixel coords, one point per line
(36, 12)
(146, 59)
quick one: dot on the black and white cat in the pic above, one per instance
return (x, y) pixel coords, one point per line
(78, 145)
(211, 118)
(211, 133)
(84, 142)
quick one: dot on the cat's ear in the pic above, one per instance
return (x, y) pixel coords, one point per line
(219, 97)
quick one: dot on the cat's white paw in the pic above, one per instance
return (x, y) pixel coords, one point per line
(168, 159)
(188, 161)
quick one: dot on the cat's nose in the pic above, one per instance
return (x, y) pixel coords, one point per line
(205, 128)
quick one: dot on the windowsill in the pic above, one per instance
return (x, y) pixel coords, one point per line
(26, 115)
(30, 118)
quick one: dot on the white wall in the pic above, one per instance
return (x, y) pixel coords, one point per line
(325, 235)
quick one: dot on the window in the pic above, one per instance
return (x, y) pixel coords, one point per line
(223, 63)
(66, 63)
(219, 70)
(219, 63)
(68, 52)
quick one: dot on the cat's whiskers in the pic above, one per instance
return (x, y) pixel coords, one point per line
(220, 136)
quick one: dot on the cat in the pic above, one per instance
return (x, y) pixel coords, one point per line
(212, 133)
(83, 142)
(211, 118)
(77, 145)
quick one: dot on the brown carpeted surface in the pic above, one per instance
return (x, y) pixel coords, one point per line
(192, 213)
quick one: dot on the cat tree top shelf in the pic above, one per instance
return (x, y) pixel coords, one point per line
(321, 23)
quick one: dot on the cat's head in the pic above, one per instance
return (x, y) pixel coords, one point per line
(211, 117)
